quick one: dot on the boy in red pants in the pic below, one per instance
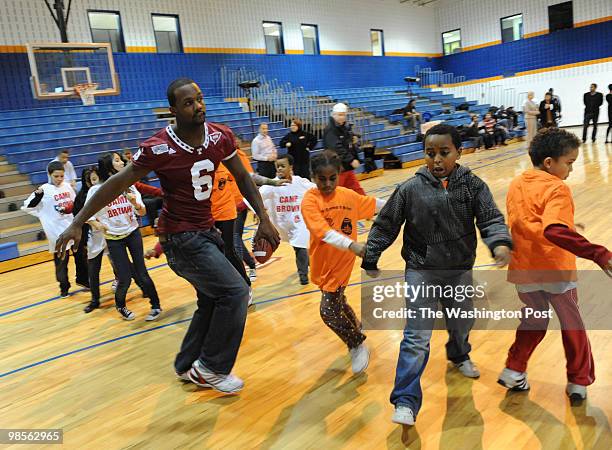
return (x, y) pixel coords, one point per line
(543, 265)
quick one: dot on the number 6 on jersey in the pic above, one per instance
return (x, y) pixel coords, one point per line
(202, 184)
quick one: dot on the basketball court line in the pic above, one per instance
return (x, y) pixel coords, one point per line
(110, 341)
(519, 151)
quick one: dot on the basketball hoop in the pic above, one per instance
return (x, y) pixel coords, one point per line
(87, 93)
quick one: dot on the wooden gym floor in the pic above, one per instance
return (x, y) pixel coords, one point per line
(110, 384)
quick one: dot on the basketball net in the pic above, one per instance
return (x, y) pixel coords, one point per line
(86, 92)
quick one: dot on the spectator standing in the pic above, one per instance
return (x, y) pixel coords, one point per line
(299, 144)
(592, 102)
(531, 112)
(549, 111)
(264, 152)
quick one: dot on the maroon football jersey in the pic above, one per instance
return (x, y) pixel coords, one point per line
(186, 174)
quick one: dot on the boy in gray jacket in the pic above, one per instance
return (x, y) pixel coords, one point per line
(438, 206)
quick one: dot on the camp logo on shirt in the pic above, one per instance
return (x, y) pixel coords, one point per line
(330, 221)
(347, 226)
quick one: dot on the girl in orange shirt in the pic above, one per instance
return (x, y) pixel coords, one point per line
(331, 214)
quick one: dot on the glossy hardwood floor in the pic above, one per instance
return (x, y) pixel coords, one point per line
(110, 384)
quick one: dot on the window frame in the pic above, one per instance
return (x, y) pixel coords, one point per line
(118, 14)
(281, 37)
(501, 27)
(317, 46)
(178, 31)
(382, 41)
(460, 41)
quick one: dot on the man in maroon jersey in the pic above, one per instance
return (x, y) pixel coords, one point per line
(185, 157)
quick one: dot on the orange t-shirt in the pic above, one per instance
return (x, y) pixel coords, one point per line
(223, 206)
(330, 267)
(233, 185)
(536, 200)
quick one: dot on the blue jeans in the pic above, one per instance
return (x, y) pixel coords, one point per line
(216, 329)
(414, 348)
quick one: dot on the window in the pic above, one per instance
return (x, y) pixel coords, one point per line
(310, 35)
(451, 42)
(167, 33)
(378, 45)
(106, 27)
(560, 16)
(512, 28)
(273, 35)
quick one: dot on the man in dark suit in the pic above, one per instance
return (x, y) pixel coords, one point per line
(592, 102)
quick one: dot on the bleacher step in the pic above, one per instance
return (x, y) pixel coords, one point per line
(17, 199)
(18, 188)
(17, 218)
(12, 176)
(21, 234)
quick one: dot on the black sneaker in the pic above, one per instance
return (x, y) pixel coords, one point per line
(126, 314)
(64, 294)
(303, 281)
(92, 305)
(154, 314)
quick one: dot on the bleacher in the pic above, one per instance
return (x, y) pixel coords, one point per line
(29, 139)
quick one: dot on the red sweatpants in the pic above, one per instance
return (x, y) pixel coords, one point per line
(349, 180)
(531, 331)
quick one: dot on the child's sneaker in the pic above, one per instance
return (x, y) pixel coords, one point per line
(253, 274)
(92, 305)
(154, 314)
(468, 369)
(183, 376)
(360, 358)
(513, 380)
(576, 393)
(303, 280)
(64, 294)
(403, 415)
(126, 314)
(200, 375)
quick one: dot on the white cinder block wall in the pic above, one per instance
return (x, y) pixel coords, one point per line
(479, 20)
(344, 25)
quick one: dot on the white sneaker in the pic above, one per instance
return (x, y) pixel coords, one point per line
(126, 314)
(403, 415)
(250, 297)
(360, 357)
(468, 369)
(576, 393)
(252, 274)
(154, 314)
(513, 380)
(200, 375)
(183, 376)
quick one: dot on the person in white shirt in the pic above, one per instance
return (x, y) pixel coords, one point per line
(283, 204)
(117, 221)
(52, 203)
(70, 175)
(264, 152)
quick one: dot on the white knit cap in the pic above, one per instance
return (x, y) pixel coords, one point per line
(339, 108)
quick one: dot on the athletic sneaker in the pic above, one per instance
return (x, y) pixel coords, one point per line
(253, 274)
(92, 305)
(403, 415)
(64, 294)
(576, 393)
(513, 380)
(360, 358)
(468, 369)
(250, 297)
(303, 280)
(183, 376)
(203, 377)
(154, 314)
(114, 285)
(126, 314)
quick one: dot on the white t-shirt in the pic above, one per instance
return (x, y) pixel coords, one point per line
(95, 243)
(48, 210)
(119, 216)
(283, 204)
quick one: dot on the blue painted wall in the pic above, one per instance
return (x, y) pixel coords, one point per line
(555, 49)
(145, 76)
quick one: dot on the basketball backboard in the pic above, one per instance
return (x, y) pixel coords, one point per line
(57, 68)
